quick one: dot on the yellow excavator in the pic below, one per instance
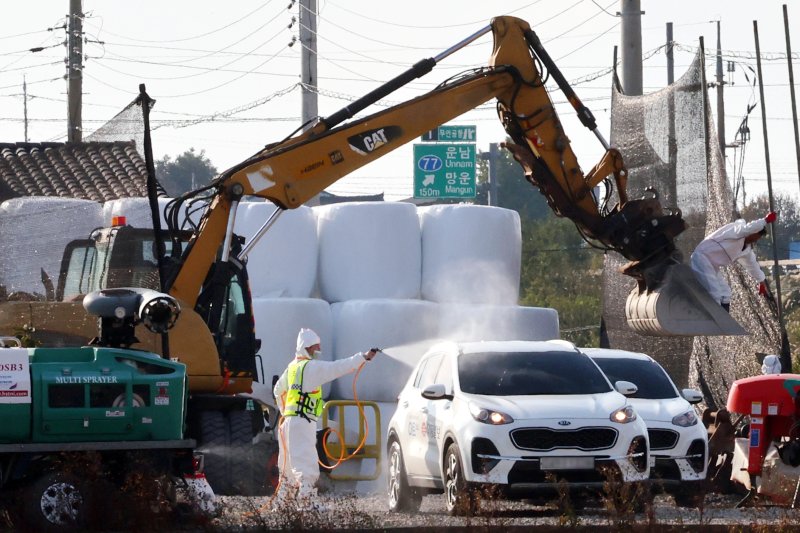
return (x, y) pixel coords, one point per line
(205, 270)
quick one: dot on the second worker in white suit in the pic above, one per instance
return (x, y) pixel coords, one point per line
(299, 395)
(732, 242)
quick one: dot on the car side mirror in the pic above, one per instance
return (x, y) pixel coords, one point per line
(692, 396)
(436, 392)
(626, 388)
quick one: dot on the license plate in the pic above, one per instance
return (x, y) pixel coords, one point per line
(566, 463)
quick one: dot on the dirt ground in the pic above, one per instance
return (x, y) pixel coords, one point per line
(370, 514)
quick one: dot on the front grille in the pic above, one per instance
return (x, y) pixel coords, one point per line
(529, 472)
(545, 439)
(662, 439)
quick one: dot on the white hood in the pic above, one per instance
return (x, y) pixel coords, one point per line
(553, 407)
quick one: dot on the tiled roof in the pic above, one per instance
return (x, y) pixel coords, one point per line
(98, 171)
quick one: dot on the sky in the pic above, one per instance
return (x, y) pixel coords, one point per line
(224, 74)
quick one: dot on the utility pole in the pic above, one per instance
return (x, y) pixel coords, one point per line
(720, 99)
(492, 157)
(74, 70)
(25, 105)
(631, 29)
(670, 55)
(308, 59)
(308, 68)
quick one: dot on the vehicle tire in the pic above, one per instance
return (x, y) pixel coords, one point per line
(214, 445)
(402, 497)
(248, 462)
(458, 495)
(56, 502)
(690, 494)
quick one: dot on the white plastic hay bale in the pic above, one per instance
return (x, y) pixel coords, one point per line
(470, 254)
(459, 322)
(368, 250)
(403, 328)
(283, 263)
(278, 320)
(35, 231)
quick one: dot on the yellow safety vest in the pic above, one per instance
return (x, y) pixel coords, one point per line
(298, 403)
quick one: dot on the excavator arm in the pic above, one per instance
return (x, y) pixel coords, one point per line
(291, 172)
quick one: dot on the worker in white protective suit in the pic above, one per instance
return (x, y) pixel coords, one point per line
(771, 365)
(732, 242)
(299, 395)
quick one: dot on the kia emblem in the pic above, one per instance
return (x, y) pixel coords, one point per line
(564, 422)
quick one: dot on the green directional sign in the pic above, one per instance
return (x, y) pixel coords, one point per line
(451, 134)
(444, 170)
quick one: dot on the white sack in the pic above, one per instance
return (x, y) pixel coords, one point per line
(497, 323)
(368, 250)
(403, 328)
(35, 231)
(283, 263)
(278, 320)
(470, 254)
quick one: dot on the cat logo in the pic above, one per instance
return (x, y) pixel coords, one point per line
(336, 157)
(369, 141)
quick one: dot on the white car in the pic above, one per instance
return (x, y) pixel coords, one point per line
(514, 415)
(678, 440)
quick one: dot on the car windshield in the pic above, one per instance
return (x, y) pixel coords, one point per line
(648, 376)
(529, 373)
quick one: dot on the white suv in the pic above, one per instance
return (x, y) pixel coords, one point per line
(513, 414)
(678, 441)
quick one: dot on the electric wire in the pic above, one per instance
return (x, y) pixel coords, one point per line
(420, 26)
(194, 37)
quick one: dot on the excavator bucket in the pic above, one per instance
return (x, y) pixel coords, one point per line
(678, 306)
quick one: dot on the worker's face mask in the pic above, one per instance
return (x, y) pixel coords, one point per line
(313, 354)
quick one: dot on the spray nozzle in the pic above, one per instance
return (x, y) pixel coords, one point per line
(375, 350)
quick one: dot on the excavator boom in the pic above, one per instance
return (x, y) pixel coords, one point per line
(291, 172)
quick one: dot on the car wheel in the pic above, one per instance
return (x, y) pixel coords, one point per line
(56, 502)
(459, 497)
(402, 497)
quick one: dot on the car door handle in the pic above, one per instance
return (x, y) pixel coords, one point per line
(424, 409)
(405, 403)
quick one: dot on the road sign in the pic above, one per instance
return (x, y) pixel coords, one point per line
(444, 170)
(451, 134)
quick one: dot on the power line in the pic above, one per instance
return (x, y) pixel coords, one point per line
(199, 36)
(228, 113)
(423, 27)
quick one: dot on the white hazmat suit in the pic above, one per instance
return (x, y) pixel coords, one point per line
(298, 435)
(721, 248)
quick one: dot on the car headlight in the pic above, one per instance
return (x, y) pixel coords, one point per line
(623, 415)
(489, 416)
(689, 418)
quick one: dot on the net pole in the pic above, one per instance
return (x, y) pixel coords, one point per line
(791, 88)
(785, 360)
